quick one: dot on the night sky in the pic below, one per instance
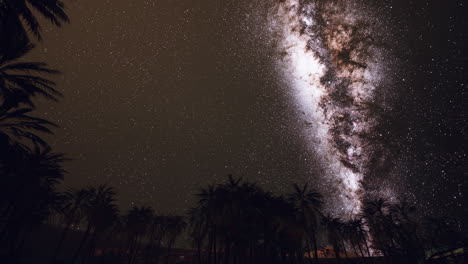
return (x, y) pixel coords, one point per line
(357, 97)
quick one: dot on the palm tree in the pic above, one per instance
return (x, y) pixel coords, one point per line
(308, 204)
(101, 199)
(357, 235)
(198, 230)
(72, 211)
(351, 235)
(138, 221)
(207, 212)
(104, 219)
(334, 227)
(407, 230)
(381, 227)
(29, 196)
(35, 170)
(175, 226)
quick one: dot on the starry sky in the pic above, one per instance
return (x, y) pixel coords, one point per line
(164, 97)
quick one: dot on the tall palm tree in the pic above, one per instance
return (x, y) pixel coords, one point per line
(198, 230)
(72, 212)
(175, 226)
(103, 221)
(29, 194)
(101, 199)
(333, 227)
(208, 211)
(351, 235)
(376, 214)
(357, 235)
(36, 170)
(308, 203)
(407, 231)
(138, 221)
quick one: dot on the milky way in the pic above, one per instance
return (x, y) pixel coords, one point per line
(335, 58)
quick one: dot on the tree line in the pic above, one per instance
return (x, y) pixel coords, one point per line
(239, 222)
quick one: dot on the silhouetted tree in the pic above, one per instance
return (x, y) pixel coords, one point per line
(100, 204)
(138, 220)
(29, 195)
(73, 213)
(308, 204)
(376, 215)
(334, 230)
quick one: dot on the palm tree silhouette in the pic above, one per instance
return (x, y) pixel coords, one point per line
(239, 222)
(334, 227)
(175, 226)
(376, 214)
(198, 229)
(30, 195)
(72, 211)
(308, 204)
(100, 201)
(407, 233)
(138, 221)
(356, 235)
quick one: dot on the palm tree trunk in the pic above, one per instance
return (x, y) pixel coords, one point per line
(82, 242)
(149, 248)
(314, 240)
(336, 248)
(367, 247)
(210, 246)
(226, 253)
(354, 249)
(309, 257)
(92, 245)
(137, 248)
(199, 251)
(62, 239)
(251, 261)
(344, 249)
(360, 250)
(22, 239)
(133, 245)
(158, 255)
(214, 245)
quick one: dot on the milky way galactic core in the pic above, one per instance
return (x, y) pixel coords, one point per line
(336, 58)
